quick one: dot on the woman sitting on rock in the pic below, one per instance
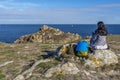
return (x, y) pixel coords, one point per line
(98, 40)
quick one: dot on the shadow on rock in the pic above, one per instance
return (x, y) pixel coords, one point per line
(49, 54)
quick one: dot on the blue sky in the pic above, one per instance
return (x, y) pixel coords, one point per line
(59, 11)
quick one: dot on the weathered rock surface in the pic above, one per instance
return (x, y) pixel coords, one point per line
(66, 68)
(99, 58)
(26, 74)
(49, 35)
(66, 50)
(102, 57)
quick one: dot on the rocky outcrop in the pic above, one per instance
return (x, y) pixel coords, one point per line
(96, 59)
(48, 34)
(28, 73)
(66, 68)
(101, 57)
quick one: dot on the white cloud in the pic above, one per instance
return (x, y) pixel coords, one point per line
(33, 13)
(11, 4)
(2, 6)
(110, 5)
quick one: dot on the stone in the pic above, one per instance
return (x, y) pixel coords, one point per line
(47, 34)
(66, 68)
(101, 57)
(112, 72)
(86, 72)
(66, 50)
(20, 77)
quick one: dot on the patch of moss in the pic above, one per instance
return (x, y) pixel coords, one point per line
(42, 67)
(46, 65)
(2, 75)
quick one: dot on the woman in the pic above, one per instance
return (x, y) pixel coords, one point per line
(98, 40)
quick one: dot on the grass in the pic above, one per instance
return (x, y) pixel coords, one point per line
(27, 56)
(2, 44)
(111, 38)
(59, 77)
(7, 52)
(2, 76)
(42, 67)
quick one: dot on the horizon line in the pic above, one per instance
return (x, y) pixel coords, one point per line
(52, 24)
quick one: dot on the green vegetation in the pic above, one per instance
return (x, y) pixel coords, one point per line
(42, 67)
(24, 55)
(2, 75)
(115, 38)
(60, 77)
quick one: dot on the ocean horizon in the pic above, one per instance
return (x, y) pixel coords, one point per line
(11, 32)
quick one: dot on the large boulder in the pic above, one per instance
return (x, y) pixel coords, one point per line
(48, 34)
(101, 57)
(66, 68)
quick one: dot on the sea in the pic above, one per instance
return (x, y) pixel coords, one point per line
(11, 32)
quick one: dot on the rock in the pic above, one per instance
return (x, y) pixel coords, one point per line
(101, 57)
(6, 63)
(48, 34)
(66, 51)
(93, 72)
(66, 68)
(86, 72)
(118, 55)
(112, 72)
(28, 73)
(20, 77)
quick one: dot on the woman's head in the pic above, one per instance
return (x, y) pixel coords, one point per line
(101, 25)
(101, 28)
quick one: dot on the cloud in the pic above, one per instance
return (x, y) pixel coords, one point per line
(2, 6)
(26, 12)
(110, 5)
(11, 4)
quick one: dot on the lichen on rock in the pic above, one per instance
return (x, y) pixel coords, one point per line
(101, 57)
(97, 59)
(48, 34)
(66, 68)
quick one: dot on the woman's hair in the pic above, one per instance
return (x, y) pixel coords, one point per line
(101, 30)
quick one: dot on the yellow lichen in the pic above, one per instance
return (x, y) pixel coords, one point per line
(97, 62)
(62, 72)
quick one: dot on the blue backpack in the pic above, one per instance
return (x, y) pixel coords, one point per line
(82, 46)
